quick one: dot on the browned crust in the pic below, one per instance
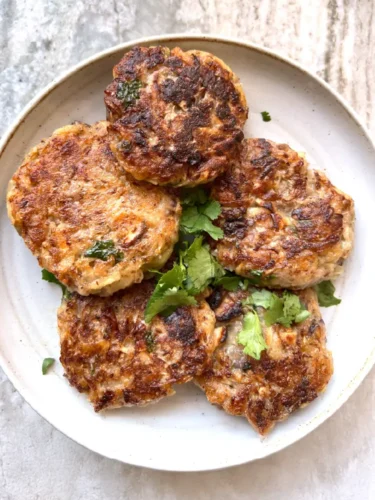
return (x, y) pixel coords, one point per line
(281, 218)
(109, 352)
(187, 124)
(70, 193)
(290, 374)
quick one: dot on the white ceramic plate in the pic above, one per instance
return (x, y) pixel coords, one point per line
(184, 432)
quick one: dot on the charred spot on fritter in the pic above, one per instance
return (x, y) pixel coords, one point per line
(183, 113)
(228, 310)
(235, 228)
(181, 326)
(104, 400)
(214, 300)
(128, 66)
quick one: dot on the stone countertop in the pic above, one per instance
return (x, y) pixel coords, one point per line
(39, 40)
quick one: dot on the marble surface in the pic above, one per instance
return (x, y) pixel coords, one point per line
(39, 39)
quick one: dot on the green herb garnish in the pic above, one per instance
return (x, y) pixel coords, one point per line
(233, 282)
(104, 249)
(191, 197)
(284, 310)
(198, 212)
(150, 341)
(229, 282)
(251, 336)
(261, 298)
(47, 362)
(325, 291)
(201, 267)
(266, 116)
(194, 272)
(168, 293)
(256, 276)
(51, 278)
(128, 92)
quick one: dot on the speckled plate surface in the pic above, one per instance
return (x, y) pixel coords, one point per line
(185, 433)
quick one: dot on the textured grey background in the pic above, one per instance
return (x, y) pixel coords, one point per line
(39, 39)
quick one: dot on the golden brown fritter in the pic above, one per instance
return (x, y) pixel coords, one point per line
(179, 115)
(291, 373)
(70, 193)
(281, 218)
(109, 352)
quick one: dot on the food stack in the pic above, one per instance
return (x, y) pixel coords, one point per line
(185, 251)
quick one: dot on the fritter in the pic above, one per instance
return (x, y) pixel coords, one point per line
(179, 115)
(87, 222)
(112, 355)
(291, 373)
(281, 220)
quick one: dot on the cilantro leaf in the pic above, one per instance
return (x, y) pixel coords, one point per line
(200, 271)
(262, 298)
(301, 316)
(325, 291)
(292, 306)
(202, 267)
(284, 310)
(150, 341)
(104, 249)
(212, 209)
(256, 277)
(228, 282)
(198, 212)
(266, 116)
(233, 282)
(275, 310)
(244, 284)
(251, 336)
(47, 362)
(167, 293)
(191, 197)
(172, 278)
(192, 221)
(195, 271)
(170, 300)
(191, 251)
(128, 92)
(51, 278)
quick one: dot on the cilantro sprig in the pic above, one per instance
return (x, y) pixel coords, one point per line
(326, 294)
(104, 249)
(195, 270)
(169, 293)
(150, 341)
(128, 92)
(199, 212)
(251, 336)
(285, 309)
(51, 278)
(193, 273)
(201, 267)
(266, 116)
(47, 363)
(233, 282)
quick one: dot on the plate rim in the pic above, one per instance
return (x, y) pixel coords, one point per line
(43, 94)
